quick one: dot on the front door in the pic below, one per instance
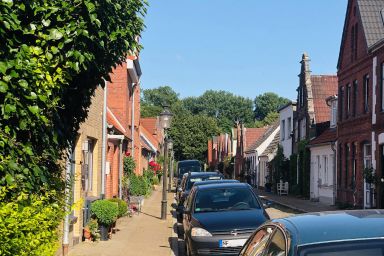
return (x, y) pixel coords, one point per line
(368, 190)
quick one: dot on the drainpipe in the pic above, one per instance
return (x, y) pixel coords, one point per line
(104, 143)
(67, 206)
(133, 120)
(334, 172)
(121, 169)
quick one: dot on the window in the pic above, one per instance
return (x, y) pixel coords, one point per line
(352, 42)
(325, 180)
(341, 95)
(366, 93)
(354, 97)
(318, 169)
(282, 130)
(348, 100)
(289, 127)
(353, 166)
(277, 245)
(347, 150)
(382, 86)
(87, 164)
(367, 156)
(356, 36)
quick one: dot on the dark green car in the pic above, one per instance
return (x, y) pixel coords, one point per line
(339, 233)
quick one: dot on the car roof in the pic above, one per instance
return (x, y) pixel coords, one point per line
(203, 174)
(222, 185)
(321, 227)
(206, 182)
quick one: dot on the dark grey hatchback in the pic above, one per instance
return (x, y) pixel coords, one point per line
(218, 218)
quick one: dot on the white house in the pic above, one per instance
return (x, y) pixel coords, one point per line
(269, 153)
(255, 150)
(286, 114)
(323, 160)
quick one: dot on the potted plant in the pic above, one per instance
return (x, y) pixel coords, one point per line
(87, 233)
(106, 213)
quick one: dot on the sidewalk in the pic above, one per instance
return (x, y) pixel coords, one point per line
(296, 204)
(144, 234)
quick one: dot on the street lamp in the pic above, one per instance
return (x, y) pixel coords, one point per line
(170, 148)
(165, 122)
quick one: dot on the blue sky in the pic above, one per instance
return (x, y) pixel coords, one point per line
(246, 47)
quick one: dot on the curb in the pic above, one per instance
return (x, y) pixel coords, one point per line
(284, 205)
(175, 237)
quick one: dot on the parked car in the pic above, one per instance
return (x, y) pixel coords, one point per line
(186, 184)
(218, 218)
(351, 233)
(186, 166)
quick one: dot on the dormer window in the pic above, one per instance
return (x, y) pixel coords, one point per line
(333, 113)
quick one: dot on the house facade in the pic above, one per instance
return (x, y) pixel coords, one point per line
(265, 171)
(312, 117)
(361, 104)
(323, 160)
(255, 149)
(286, 117)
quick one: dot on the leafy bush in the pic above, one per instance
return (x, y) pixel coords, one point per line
(28, 226)
(155, 180)
(122, 206)
(140, 186)
(129, 165)
(105, 211)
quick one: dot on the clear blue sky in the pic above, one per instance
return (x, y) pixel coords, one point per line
(246, 47)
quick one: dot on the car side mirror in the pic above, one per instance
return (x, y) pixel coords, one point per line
(267, 204)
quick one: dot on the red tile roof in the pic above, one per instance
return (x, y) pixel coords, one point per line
(150, 137)
(252, 135)
(323, 87)
(149, 123)
(327, 136)
(112, 119)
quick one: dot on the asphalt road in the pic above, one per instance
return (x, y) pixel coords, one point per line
(275, 211)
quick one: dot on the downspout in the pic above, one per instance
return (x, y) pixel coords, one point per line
(67, 206)
(133, 120)
(104, 143)
(334, 172)
(121, 169)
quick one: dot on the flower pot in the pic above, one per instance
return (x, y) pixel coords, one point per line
(104, 230)
(87, 234)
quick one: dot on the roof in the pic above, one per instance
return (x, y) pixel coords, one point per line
(252, 135)
(224, 185)
(272, 147)
(372, 21)
(291, 103)
(150, 124)
(336, 225)
(327, 136)
(148, 139)
(112, 119)
(269, 130)
(323, 86)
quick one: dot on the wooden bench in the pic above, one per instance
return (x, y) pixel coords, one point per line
(282, 188)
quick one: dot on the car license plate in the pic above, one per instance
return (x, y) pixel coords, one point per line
(232, 243)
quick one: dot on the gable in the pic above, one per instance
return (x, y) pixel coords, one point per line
(323, 87)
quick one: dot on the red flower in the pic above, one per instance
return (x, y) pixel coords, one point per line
(127, 153)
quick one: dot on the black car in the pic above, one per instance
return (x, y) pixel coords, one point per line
(186, 166)
(186, 184)
(218, 218)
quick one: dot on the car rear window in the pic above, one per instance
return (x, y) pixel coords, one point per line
(192, 180)
(225, 199)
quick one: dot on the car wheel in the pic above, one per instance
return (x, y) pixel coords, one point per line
(179, 217)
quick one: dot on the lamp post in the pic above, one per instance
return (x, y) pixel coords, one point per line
(170, 175)
(165, 122)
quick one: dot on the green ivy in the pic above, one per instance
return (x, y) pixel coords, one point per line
(129, 165)
(53, 55)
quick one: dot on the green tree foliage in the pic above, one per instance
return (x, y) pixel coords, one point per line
(224, 106)
(190, 134)
(267, 103)
(53, 55)
(152, 100)
(270, 119)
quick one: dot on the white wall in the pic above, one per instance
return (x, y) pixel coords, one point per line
(322, 176)
(286, 140)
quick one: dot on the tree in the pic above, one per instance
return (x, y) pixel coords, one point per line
(152, 100)
(271, 118)
(53, 56)
(190, 134)
(224, 106)
(267, 103)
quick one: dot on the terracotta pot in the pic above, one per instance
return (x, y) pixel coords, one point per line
(87, 233)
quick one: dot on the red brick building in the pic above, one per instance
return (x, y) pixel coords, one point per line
(361, 105)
